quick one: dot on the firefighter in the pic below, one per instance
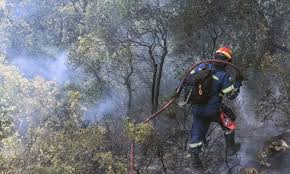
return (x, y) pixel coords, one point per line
(210, 111)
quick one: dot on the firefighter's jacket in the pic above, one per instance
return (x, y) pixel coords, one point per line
(222, 85)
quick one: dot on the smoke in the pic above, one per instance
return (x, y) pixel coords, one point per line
(55, 68)
(112, 103)
(245, 107)
(2, 4)
(253, 131)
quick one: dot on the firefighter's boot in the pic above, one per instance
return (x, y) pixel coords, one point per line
(196, 162)
(194, 157)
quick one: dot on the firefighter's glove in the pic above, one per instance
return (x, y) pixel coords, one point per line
(238, 84)
(182, 104)
(233, 94)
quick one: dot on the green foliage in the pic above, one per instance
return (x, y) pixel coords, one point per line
(43, 170)
(88, 54)
(80, 151)
(21, 99)
(127, 6)
(138, 133)
(53, 139)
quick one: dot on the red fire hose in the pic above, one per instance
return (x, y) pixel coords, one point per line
(178, 90)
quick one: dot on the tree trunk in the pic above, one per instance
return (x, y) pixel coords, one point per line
(157, 79)
(129, 90)
(153, 90)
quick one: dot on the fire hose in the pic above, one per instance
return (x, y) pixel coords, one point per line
(173, 98)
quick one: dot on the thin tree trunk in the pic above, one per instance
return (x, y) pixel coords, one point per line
(158, 78)
(153, 89)
(129, 84)
(129, 104)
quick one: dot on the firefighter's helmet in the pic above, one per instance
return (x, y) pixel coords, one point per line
(224, 52)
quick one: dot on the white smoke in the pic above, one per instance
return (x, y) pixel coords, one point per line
(245, 108)
(55, 68)
(112, 103)
(253, 131)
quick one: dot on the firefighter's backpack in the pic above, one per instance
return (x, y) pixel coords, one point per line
(197, 86)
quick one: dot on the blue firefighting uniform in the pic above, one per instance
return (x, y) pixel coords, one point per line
(203, 115)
